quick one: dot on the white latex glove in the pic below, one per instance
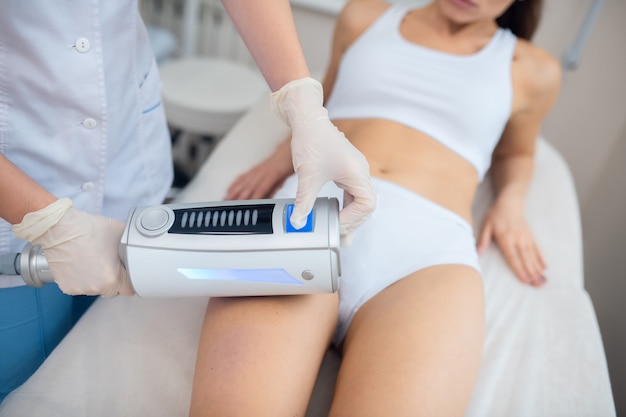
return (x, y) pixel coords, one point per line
(321, 153)
(81, 249)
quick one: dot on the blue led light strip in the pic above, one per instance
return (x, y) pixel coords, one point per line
(279, 276)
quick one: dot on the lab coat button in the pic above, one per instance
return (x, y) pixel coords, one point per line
(90, 123)
(82, 45)
(87, 187)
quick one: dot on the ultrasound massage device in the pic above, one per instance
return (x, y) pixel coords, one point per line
(227, 248)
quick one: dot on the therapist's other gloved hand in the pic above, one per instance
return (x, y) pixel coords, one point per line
(81, 249)
(321, 153)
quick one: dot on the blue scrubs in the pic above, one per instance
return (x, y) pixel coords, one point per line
(32, 322)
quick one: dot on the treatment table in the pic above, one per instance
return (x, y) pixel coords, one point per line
(543, 353)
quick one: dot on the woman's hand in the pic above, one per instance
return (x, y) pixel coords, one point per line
(506, 224)
(263, 180)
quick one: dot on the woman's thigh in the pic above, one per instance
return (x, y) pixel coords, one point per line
(415, 348)
(259, 356)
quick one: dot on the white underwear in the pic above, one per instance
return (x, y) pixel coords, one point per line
(406, 233)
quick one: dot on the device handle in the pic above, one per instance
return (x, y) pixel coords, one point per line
(30, 264)
(34, 266)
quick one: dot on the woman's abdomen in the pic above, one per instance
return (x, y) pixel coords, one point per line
(415, 161)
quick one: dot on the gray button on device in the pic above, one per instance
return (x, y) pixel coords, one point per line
(308, 275)
(153, 220)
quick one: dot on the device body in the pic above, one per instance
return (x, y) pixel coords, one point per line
(233, 248)
(236, 248)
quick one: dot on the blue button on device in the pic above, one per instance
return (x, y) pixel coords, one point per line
(308, 227)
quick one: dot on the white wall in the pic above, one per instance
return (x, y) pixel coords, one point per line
(604, 228)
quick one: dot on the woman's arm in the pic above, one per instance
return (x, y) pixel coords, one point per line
(264, 179)
(320, 152)
(538, 76)
(269, 32)
(19, 193)
(81, 248)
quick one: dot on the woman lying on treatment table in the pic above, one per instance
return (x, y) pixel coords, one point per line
(429, 95)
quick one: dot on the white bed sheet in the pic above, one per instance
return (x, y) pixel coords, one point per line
(543, 353)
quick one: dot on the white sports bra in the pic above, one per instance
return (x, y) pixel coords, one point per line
(462, 101)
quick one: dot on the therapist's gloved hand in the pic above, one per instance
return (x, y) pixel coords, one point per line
(81, 249)
(321, 153)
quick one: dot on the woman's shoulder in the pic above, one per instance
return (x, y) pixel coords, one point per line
(539, 70)
(364, 8)
(357, 16)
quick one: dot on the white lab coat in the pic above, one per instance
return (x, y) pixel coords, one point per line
(80, 106)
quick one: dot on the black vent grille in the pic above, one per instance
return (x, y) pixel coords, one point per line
(244, 219)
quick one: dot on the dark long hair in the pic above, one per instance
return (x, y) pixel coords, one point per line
(522, 17)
